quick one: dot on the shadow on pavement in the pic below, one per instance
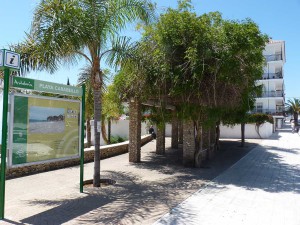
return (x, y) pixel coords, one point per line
(66, 210)
(133, 200)
(171, 162)
(271, 173)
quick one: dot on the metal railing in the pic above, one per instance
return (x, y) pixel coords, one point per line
(277, 112)
(266, 94)
(274, 57)
(267, 76)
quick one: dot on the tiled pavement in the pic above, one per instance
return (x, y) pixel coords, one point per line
(263, 188)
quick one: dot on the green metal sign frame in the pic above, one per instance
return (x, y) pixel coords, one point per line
(44, 86)
(4, 142)
(41, 86)
(82, 139)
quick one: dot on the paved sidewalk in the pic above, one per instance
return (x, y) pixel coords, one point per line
(144, 192)
(263, 188)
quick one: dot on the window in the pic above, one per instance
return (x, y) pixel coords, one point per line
(259, 107)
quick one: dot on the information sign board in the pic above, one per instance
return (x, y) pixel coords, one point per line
(44, 129)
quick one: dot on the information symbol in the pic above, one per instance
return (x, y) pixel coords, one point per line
(12, 59)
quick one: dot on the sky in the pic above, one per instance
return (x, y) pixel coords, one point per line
(278, 19)
(42, 113)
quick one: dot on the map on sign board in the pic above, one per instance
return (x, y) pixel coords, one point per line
(44, 129)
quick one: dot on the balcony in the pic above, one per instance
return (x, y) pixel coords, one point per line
(273, 112)
(267, 76)
(274, 57)
(269, 94)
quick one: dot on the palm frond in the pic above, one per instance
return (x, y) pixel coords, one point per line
(121, 50)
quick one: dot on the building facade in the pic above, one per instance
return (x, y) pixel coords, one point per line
(272, 99)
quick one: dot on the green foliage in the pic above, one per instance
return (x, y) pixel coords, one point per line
(116, 139)
(112, 105)
(65, 31)
(293, 107)
(260, 118)
(201, 64)
(157, 115)
(184, 5)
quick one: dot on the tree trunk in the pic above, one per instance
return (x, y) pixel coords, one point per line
(212, 142)
(88, 132)
(97, 81)
(188, 145)
(205, 143)
(217, 143)
(109, 130)
(243, 134)
(295, 117)
(198, 145)
(134, 146)
(160, 139)
(180, 132)
(174, 140)
(97, 121)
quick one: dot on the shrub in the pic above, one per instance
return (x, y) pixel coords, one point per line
(260, 118)
(116, 139)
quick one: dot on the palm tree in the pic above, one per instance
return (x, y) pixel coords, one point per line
(84, 77)
(293, 106)
(64, 31)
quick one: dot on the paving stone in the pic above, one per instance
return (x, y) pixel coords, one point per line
(263, 188)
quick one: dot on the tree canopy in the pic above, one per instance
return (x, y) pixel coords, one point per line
(196, 63)
(293, 107)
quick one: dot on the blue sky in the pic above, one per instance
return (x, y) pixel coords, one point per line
(279, 19)
(41, 113)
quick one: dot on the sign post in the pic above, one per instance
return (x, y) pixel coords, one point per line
(8, 60)
(82, 138)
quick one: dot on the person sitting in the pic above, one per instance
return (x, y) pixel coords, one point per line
(152, 132)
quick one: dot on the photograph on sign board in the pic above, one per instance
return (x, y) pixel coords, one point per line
(44, 129)
(46, 120)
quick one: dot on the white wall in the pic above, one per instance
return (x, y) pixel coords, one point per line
(265, 131)
(168, 130)
(119, 128)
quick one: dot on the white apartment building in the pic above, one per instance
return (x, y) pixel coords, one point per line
(272, 98)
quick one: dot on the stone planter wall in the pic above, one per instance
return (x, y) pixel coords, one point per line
(106, 152)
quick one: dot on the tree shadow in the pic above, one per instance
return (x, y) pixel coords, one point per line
(171, 162)
(129, 201)
(66, 209)
(266, 169)
(133, 200)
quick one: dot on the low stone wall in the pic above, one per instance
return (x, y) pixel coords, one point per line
(106, 152)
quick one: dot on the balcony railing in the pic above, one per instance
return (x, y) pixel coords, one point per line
(274, 57)
(267, 76)
(274, 112)
(267, 94)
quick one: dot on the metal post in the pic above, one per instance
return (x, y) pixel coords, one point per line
(4, 142)
(82, 138)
